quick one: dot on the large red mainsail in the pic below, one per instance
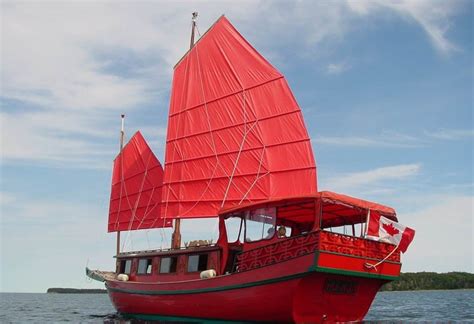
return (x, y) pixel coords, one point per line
(137, 179)
(235, 131)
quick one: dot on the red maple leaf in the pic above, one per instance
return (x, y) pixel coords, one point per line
(390, 229)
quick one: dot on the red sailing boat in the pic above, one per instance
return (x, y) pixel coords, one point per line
(237, 149)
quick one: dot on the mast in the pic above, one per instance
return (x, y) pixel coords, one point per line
(122, 135)
(176, 237)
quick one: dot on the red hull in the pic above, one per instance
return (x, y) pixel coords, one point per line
(296, 290)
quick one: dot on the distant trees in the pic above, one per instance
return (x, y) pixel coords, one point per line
(431, 281)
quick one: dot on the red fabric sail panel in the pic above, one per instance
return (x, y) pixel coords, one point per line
(137, 180)
(235, 132)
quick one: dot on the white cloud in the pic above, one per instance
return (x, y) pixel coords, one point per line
(432, 16)
(360, 180)
(6, 199)
(385, 139)
(394, 139)
(337, 68)
(68, 69)
(30, 137)
(43, 231)
(444, 236)
(50, 234)
(451, 134)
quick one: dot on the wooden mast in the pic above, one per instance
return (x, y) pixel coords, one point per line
(122, 135)
(176, 237)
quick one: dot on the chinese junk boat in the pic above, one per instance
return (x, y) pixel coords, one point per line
(237, 149)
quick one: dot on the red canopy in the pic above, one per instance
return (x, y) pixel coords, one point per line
(340, 199)
(341, 209)
(137, 178)
(337, 209)
(235, 131)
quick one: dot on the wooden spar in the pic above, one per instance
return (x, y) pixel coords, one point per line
(122, 135)
(176, 237)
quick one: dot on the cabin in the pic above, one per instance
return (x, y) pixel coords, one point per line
(267, 232)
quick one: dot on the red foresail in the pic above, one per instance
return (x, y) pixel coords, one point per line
(137, 180)
(235, 132)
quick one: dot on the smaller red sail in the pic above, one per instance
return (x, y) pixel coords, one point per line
(137, 180)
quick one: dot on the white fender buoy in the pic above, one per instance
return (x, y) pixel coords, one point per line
(211, 273)
(122, 277)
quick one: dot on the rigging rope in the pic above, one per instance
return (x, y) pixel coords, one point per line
(218, 164)
(374, 266)
(134, 208)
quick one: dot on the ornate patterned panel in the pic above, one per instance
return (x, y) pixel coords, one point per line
(356, 246)
(306, 244)
(277, 252)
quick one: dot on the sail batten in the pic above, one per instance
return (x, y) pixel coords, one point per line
(235, 152)
(235, 131)
(137, 180)
(227, 95)
(296, 111)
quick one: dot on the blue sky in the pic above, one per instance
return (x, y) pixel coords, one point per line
(386, 90)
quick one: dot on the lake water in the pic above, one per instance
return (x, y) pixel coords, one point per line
(414, 306)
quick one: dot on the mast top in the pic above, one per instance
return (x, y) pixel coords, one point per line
(195, 15)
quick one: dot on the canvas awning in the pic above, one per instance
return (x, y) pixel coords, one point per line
(337, 209)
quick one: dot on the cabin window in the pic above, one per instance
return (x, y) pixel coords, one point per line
(233, 226)
(283, 231)
(144, 266)
(168, 265)
(260, 224)
(197, 262)
(125, 266)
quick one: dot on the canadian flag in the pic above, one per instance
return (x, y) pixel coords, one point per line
(383, 229)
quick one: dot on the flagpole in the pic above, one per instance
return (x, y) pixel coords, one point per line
(367, 223)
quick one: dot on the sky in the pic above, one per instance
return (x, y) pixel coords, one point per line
(386, 90)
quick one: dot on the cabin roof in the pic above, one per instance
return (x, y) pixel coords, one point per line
(323, 195)
(338, 209)
(166, 252)
(357, 202)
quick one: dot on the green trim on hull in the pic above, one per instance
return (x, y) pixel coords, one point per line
(352, 273)
(152, 317)
(254, 284)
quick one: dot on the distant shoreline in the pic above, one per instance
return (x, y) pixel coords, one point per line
(417, 281)
(75, 291)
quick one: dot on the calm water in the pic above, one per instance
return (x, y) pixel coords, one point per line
(431, 306)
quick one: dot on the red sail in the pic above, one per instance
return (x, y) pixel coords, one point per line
(235, 131)
(137, 180)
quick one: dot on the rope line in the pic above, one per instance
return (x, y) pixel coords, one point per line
(374, 266)
(135, 207)
(218, 164)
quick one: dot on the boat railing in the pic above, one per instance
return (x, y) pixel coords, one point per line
(309, 243)
(283, 250)
(356, 246)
